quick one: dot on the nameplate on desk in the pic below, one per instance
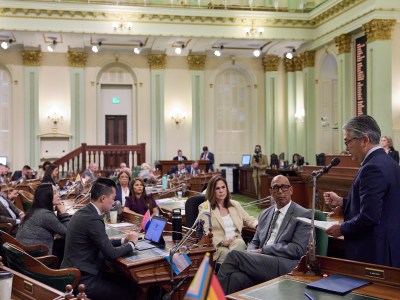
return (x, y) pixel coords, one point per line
(375, 273)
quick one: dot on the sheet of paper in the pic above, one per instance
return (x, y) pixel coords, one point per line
(122, 224)
(324, 225)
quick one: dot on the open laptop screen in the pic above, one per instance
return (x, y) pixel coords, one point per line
(155, 230)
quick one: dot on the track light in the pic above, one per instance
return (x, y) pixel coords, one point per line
(218, 52)
(96, 48)
(178, 50)
(6, 44)
(137, 50)
(289, 55)
(52, 46)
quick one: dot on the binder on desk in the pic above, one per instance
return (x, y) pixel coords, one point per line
(337, 284)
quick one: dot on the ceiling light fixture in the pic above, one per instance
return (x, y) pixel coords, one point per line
(253, 31)
(178, 50)
(257, 52)
(122, 26)
(218, 52)
(52, 46)
(289, 55)
(96, 48)
(137, 50)
(6, 44)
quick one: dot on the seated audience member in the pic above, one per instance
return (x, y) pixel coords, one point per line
(25, 174)
(147, 173)
(193, 169)
(138, 200)
(180, 156)
(42, 169)
(278, 244)
(90, 173)
(87, 246)
(227, 218)
(178, 170)
(123, 180)
(9, 213)
(387, 144)
(50, 175)
(40, 223)
(297, 161)
(3, 174)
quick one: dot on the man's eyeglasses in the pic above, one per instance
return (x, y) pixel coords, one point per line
(283, 187)
(349, 141)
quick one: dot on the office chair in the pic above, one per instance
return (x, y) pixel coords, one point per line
(192, 208)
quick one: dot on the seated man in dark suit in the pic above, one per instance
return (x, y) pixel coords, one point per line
(180, 156)
(87, 246)
(25, 174)
(178, 170)
(193, 169)
(279, 243)
(9, 213)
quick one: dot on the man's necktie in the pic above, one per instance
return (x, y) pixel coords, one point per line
(272, 225)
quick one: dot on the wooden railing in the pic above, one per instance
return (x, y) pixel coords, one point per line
(107, 157)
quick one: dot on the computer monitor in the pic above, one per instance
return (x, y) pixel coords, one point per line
(246, 159)
(3, 160)
(155, 230)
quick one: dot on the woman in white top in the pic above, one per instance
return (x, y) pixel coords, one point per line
(227, 218)
(123, 180)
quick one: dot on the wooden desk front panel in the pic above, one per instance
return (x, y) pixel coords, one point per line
(246, 185)
(166, 165)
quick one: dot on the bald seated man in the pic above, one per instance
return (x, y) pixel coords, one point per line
(276, 247)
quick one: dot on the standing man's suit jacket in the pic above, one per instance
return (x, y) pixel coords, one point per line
(87, 244)
(371, 226)
(210, 157)
(293, 235)
(263, 162)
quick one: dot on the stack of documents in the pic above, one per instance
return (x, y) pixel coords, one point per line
(324, 225)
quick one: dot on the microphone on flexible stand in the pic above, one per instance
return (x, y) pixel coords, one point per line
(334, 162)
(268, 199)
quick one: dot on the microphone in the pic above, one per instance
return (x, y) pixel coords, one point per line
(334, 162)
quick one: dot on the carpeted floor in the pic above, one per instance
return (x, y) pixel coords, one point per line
(252, 210)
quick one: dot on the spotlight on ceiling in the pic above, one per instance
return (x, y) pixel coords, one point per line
(6, 44)
(96, 48)
(218, 52)
(257, 52)
(289, 55)
(137, 50)
(52, 46)
(179, 49)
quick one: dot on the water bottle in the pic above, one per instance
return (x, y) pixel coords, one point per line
(164, 182)
(176, 224)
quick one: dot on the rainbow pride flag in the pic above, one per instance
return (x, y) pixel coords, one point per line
(205, 284)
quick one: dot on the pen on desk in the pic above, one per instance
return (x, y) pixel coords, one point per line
(308, 296)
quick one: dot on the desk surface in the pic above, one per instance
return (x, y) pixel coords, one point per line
(385, 282)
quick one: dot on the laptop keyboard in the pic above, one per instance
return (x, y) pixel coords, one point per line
(143, 246)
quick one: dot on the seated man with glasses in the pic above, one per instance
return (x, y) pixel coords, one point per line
(278, 244)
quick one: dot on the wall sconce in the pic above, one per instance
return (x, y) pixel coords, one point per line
(299, 115)
(122, 26)
(177, 117)
(254, 32)
(55, 118)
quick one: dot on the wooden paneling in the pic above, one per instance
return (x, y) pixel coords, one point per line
(246, 185)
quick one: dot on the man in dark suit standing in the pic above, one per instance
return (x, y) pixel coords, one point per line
(87, 246)
(278, 244)
(207, 155)
(180, 156)
(9, 213)
(371, 212)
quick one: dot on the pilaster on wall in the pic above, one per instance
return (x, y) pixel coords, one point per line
(290, 107)
(31, 61)
(271, 92)
(197, 65)
(77, 62)
(309, 106)
(157, 78)
(345, 79)
(379, 72)
(300, 146)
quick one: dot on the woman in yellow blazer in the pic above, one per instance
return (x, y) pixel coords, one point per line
(227, 218)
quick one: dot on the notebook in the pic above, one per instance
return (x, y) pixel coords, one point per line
(337, 284)
(153, 237)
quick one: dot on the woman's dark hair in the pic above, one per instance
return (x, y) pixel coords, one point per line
(46, 164)
(144, 195)
(123, 172)
(49, 170)
(43, 198)
(210, 195)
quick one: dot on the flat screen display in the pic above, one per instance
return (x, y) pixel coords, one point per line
(246, 159)
(3, 160)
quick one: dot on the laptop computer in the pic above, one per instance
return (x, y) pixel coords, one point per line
(154, 234)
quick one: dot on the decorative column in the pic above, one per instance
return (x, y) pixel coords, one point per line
(77, 62)
(271, 92)
(299, 111)
(290, 133)
(157, 66)
(379, 72)
(31, 60)
(345, 83)
(309, 106)
(196, 65)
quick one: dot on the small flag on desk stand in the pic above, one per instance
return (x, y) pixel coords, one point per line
(146, 220)
(205, 284)
(78, 179)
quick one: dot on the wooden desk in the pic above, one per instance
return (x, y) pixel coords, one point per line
(383, 288)
(156, 270)
(345, 161)
(166, 165)
(24, 287)
(199, 182)
(246, 182)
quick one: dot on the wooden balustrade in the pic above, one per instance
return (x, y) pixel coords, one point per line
(107, 157)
